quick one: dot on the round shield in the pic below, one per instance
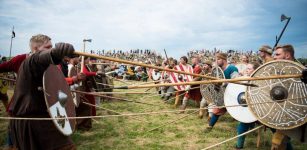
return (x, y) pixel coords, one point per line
(75, 96)
(214, 93)
(278, 103)
(73, 71)
(179, 78)
(235, 95)
(59, 100)
(91, 80)
(155, 75)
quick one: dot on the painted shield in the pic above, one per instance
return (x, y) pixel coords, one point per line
(59, 100)
(73, 71)
(90, 80)
(179, 78)
(155, 75)
(235, 95)
(214, 93)
(278, 103)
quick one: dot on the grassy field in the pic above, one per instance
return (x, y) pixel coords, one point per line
(132, 133)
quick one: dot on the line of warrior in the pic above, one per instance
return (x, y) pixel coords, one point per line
(89, 74)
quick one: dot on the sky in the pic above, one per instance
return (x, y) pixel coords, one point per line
(174, 25)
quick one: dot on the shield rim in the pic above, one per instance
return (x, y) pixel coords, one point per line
(46, 101)
(248, 97)
(205, 85)
(234, 115)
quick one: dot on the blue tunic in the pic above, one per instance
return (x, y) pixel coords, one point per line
(231, 71)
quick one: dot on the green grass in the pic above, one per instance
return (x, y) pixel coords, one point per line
(131, 133)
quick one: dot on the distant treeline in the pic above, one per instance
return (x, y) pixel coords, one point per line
(303, 61)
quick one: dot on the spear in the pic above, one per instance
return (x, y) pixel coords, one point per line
(149, 66)
(212, 81)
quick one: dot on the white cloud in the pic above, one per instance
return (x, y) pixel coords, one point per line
(176, 25)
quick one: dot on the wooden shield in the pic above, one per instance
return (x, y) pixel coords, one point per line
(214, 93)
(278, 103)
(90, 80)
(235, 95)
(179, 78)
(59, 100)
(73, 71)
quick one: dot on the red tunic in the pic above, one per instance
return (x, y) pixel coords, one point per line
(195, 93)
(13, 64)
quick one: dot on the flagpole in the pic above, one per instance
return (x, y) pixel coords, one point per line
(11, 43)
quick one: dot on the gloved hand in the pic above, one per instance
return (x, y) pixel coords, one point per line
(100, 74)
(304, 76)
(63, 49)
(79, 77)
(188, 87)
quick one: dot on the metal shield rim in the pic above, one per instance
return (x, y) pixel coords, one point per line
(249, 102)
(204, 86)
(231, 110)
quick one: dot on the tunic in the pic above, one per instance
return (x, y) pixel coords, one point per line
(195, 93)
(230, 72)
(29, 102)
(12, 65)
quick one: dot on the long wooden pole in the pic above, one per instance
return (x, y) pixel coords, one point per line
(122, 92)
(149, 66)
(211, 81)
(142, 64)
(7, 79)
(101, 63)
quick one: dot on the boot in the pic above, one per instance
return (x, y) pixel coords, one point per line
(176, 100)
(184, 105)
(202, 110)
(201, 113)
(208, 129)
(166, 98)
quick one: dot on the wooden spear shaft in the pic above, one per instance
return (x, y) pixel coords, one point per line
(101, 63)
(122, 92)
(147, 65)
(211, 81)
(8, 79)
(141, 64)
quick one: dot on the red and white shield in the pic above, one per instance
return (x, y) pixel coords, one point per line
(179, 78)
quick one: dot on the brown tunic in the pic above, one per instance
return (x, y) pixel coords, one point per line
(29, 102)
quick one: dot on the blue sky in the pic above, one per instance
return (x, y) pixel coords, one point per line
(174, 25)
